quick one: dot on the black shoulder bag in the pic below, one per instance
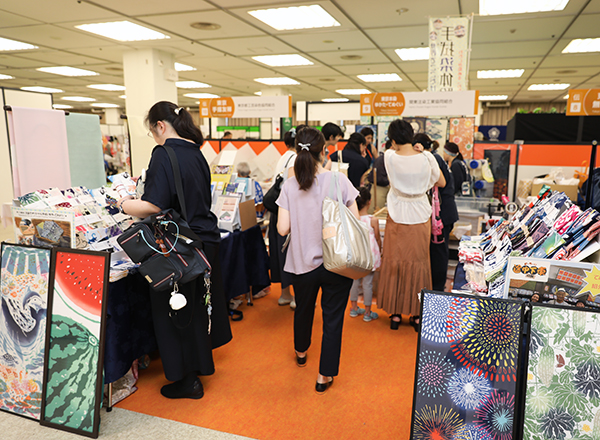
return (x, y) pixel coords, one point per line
(272, 195)
(168, 250)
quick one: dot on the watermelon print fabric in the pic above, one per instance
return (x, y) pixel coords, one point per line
(466, 375)
(23, 303)
(74, 380)
(563, 379)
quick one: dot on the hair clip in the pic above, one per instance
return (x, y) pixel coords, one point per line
(304, 146)
(177, 110)
(293, 132)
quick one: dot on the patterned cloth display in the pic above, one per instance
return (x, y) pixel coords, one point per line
(461, 133)
(563, 380)
(466, 374)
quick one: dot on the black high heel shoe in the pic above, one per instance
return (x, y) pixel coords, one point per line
(395, 324)
(413, 321)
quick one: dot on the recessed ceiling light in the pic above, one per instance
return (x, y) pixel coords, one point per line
(508, 73)
(413, 53)
(351, 57)
(107, 87)
(114, 69)
(123, 96)
(280, 81)
(104, 105)
(548, 86)
(503, 7)
(206, 26)
(6, 44)
(566, 96)
(77, 98)
(283, 60)
(493, 97)
(583, 45)
(353, 91)
(566, 71)
(258, 93)
(326, 79)
(41, 89)
(6, 76)
(122, 31)
(335, 100)
(67, 71)
(380, 77)
(191, 85)
(296, 17)
(201, 95)
(183, 67)
(62, 106)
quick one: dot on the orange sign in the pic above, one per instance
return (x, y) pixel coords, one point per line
(217, 107)
(382, 104)
(583, 102)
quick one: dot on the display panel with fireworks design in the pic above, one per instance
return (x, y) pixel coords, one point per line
(562, 399)
(467, 361)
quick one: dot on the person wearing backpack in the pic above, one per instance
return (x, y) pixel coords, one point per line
(457, 165)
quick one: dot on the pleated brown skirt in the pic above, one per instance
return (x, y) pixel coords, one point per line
(405, 267)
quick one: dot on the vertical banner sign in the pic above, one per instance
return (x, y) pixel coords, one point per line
(450, 48)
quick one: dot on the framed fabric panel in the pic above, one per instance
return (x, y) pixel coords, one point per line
(23, 301)
(562, 399)
(75, 341)
(466, 377)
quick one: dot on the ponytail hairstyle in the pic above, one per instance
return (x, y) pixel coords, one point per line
(355, 141)
(179, 118)
(289, 138)
(453, 149)
(364, 196)
(423, 139)
(309, 147)
(401, 132)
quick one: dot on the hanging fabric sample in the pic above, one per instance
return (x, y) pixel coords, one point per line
(461, 133)
(563, 379)
(437, 130)
(86, 158)
(466, 372)
(23, 302)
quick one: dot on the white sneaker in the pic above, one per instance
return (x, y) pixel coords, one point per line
(293, 304)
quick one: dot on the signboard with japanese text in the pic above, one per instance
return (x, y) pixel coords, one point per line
(420, 104)
(583, 102)
(247, 107)
(449, 51)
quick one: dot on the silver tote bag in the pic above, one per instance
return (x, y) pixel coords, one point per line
(346, 245)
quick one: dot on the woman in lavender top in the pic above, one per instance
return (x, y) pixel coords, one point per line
(300, 205)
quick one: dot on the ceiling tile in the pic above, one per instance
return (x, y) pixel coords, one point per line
(518, 28)
(11, 20)
(144, 7)
(334, 58)
(54, 37)
(325, 41)
(251, 46)
(57, 10)
(399, 37)
(510, 49)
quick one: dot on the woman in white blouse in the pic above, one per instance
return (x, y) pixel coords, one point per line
(405, 268)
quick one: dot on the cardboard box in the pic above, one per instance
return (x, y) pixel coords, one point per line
(569, 190)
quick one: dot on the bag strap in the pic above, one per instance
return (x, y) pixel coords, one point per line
(177, 175)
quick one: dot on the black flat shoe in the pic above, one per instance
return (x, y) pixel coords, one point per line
(301, 361)
(416, 325)
(394, 324)
(320, 388)
(177, 390)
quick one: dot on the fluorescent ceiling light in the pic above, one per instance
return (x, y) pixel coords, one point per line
(509, 73)
(335, 100)
(280, 81)
(548, 86)
(42, 89)
(107, 87)
(183, 67)
(104, 105)
(123, 96)
(6, 76)
(353, 91)
(201, 95)
(62, 106)
(413, 53)
(503, 7)
(582, 45)
(67, 71)
(122, 31)
(258, 93)
(493, 97)
(77, 98)
(191, 85)
(283, 60)
(6, 44)
(566, 96)
(380, 77)
(296, 17)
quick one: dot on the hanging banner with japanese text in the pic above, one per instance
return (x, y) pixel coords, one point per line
(449, 51)
(247, 107)
(583, 102)
(463, 103)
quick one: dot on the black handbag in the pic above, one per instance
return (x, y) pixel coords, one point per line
(272, 195)
(168, 250)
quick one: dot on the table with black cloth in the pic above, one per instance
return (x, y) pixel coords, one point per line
(129, 329)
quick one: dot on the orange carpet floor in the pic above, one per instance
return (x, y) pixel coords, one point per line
(259, 392)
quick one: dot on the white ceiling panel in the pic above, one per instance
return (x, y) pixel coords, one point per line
(325, 41)
(334, 58)
(56, 11)
(55, 57)
(573, 60)
(399, 37)
(49, 36)
(12, 20)
(146, 7)
(510, 49)
(251, 46)
(523, 29)
(586, 26)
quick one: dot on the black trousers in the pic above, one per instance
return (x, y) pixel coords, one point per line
(334, 299)
(438, 257)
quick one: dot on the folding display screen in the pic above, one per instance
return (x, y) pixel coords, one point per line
(466, 373)
(75, 341)
(562, 400)
(24, 297)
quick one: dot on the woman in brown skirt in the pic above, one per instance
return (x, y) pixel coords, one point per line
(405, 268)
